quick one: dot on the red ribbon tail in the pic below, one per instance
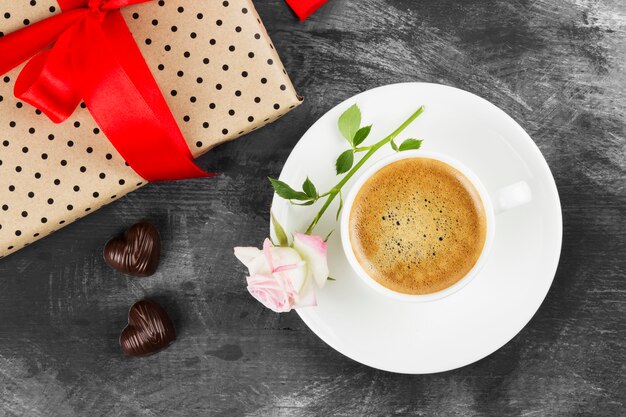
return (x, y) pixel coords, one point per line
(305, 8)
(139, 126)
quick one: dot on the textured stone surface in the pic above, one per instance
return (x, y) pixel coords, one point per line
(555, 66)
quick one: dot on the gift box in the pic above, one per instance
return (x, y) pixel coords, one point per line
(214, 64)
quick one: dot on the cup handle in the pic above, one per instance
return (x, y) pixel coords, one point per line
(511, 196)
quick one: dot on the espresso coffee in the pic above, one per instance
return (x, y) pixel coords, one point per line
(417, 226)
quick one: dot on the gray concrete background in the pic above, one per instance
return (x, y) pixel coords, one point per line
(556, 66)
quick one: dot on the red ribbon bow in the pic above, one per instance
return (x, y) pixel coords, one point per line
(96, 59)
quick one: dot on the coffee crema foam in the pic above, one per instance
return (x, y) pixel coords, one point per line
(417, 226)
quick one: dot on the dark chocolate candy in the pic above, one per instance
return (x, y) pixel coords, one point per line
(149, 329)
(136, 252)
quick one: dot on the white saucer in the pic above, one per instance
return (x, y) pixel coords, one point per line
(473, 323)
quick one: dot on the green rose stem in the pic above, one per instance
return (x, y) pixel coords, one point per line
(371, 150)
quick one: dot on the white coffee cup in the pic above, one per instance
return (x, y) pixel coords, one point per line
(505, 198)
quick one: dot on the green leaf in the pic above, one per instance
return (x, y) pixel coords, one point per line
(393, 145)
(308, 203)
(410, 144)
(285, 191)
(340, 206)
(345, 161)
(361, 135)
(331, 279)
(309, 188)
(279, 231)
(349, 122)
(328, 235)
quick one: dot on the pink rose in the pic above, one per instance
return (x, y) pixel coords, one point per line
(281, 278)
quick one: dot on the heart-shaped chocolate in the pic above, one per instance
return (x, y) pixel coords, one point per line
(136, 252)
(149, 329)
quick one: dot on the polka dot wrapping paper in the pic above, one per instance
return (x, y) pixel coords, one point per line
(217, 69)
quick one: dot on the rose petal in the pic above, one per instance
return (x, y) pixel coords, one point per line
(306, 296)
(246, 255)
(256, 260)
(288, 256)
(269, 292)
(313, 250)
(285, 268)
(267, 245)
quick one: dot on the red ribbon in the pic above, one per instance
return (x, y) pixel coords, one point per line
(305, 8)
(96, 59)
